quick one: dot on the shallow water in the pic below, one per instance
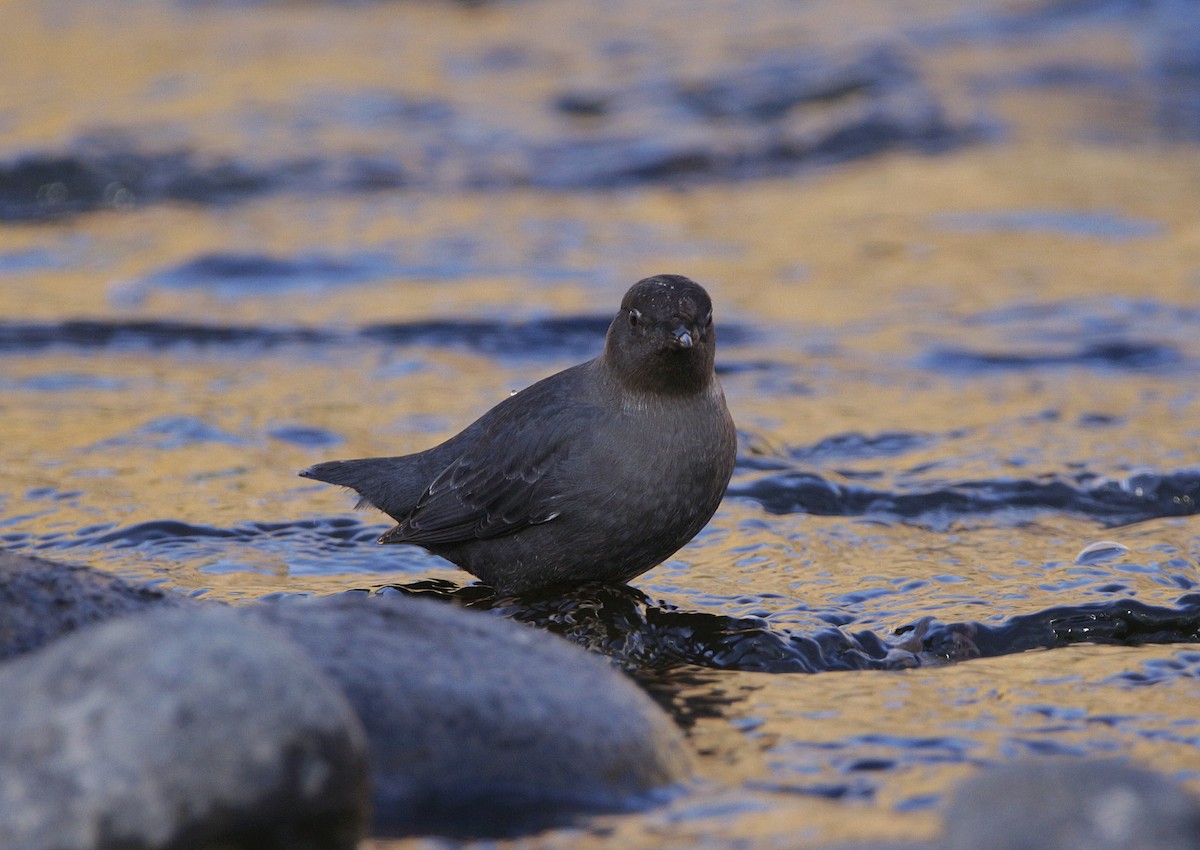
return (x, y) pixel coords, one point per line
(958, 310)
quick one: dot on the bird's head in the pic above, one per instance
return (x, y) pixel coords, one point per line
(662, 339)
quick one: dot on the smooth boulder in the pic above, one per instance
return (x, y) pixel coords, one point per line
(177, 729)
(478, 725)
(43, 600)
(1097, 804)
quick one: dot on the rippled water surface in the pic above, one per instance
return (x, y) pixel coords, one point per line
(956, 261)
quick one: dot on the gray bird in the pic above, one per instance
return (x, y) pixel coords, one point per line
(599, 472)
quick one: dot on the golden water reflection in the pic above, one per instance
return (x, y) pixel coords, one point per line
(841, 282)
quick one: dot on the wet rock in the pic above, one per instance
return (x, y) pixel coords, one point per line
(478, 725)
(1067, 805)
(1084, 804)
(184, 729)
(622, 623)
(43, 600)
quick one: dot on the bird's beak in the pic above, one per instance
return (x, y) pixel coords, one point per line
(683, 337)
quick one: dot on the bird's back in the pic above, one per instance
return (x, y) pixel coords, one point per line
(514, 433)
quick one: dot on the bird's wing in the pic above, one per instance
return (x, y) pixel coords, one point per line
(505, 480)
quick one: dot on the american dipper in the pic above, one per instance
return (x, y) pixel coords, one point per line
(598, 472)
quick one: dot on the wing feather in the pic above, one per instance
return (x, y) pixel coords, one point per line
(507, 478)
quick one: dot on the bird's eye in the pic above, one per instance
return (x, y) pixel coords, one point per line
(634, 317)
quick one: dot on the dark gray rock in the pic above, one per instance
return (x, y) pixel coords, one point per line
(42, 600)
(477, 724)
(1081, 804)
(1072, 805)
(184, 729)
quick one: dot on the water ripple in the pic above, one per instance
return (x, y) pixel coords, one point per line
(622, 622)
(1124, 355)
(575, 335)
(1005, 501)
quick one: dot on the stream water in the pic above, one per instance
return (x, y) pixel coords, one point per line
(955, 253)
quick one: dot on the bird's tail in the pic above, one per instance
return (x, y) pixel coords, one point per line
(386, 483)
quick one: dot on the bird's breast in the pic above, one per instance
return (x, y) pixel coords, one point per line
(675, 450)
